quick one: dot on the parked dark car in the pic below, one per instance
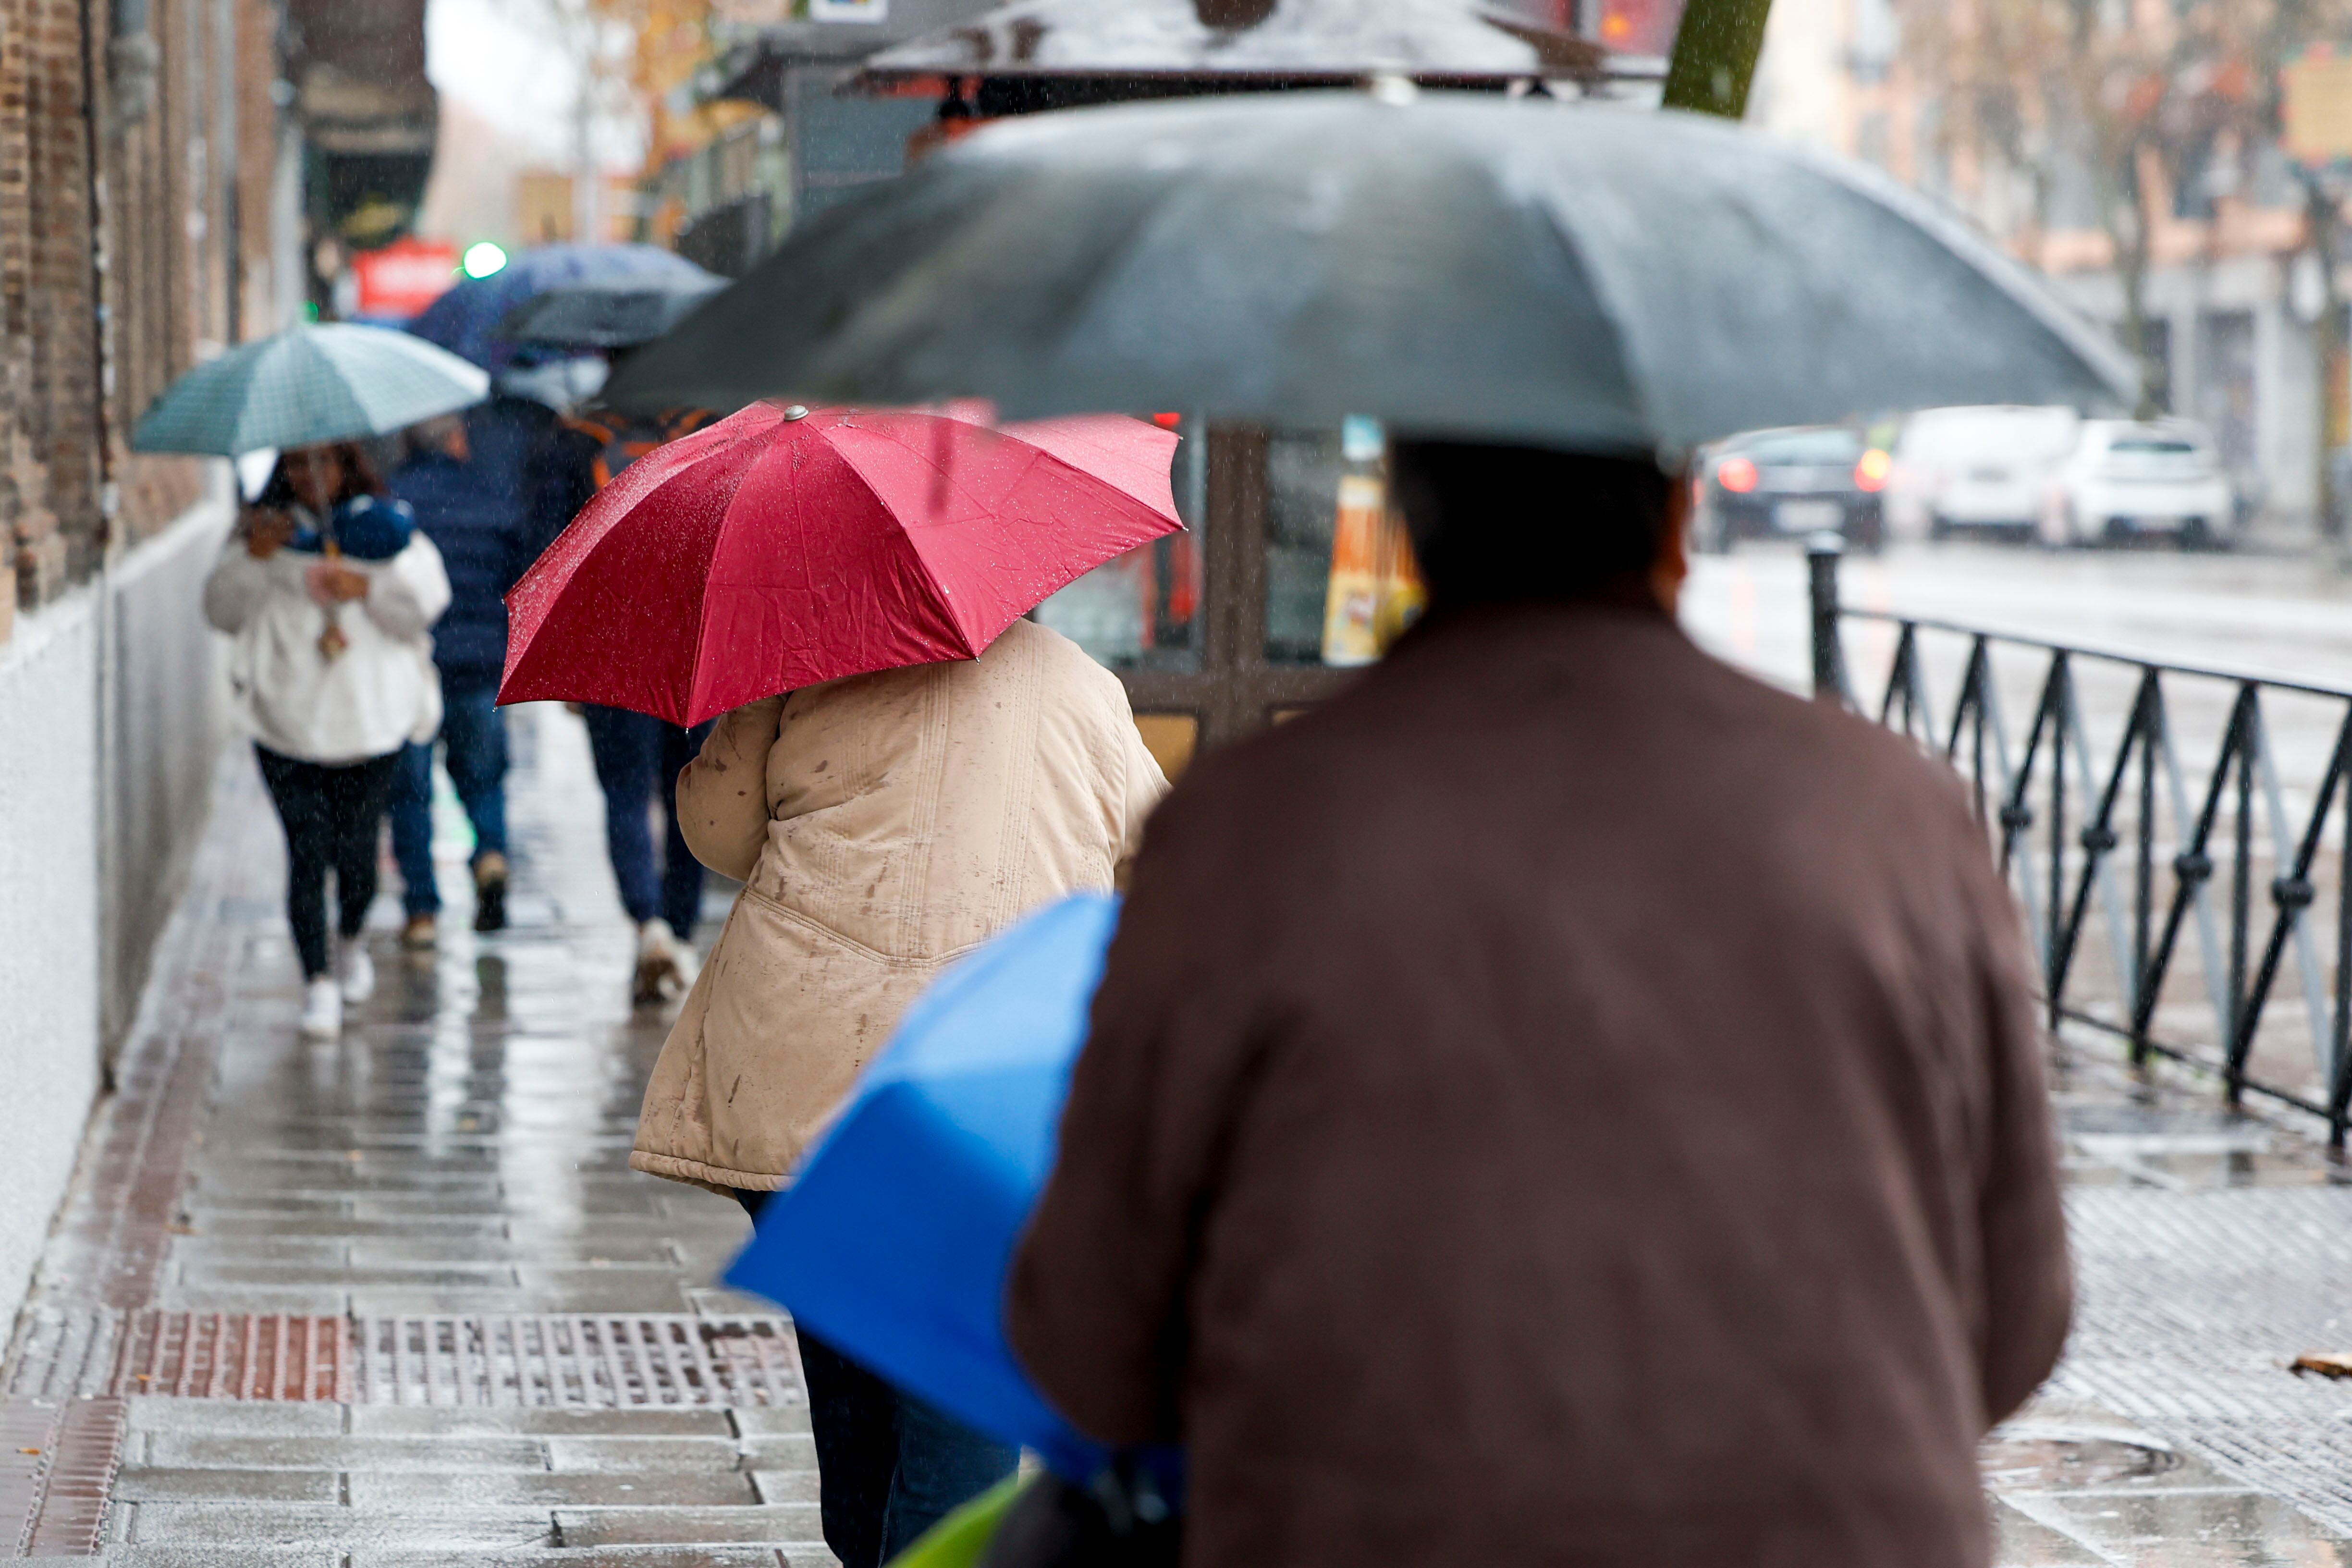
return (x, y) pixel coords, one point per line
(1774, 484)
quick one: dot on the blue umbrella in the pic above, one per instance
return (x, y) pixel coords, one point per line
(465, 321)
(305, 386)
(892, 1242)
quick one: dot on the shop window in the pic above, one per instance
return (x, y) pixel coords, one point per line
(1142, 610)
(1339, 579)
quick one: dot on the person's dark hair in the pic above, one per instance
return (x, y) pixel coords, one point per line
(360, 478)
(1525, 523)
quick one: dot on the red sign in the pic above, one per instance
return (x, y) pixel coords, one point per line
(405, 276)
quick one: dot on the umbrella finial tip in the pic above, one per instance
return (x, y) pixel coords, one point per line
(796, 410)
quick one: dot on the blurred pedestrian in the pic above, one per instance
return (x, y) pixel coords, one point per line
(883, 825)
(637, 756)
(463, 479)
(330, 591)
(1559, 1102)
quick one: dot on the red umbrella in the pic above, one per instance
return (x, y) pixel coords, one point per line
(781, 547)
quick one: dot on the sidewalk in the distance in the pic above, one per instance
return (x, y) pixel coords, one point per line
(399, 1300)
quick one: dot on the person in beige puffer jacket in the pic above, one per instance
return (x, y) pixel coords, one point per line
(883, 825)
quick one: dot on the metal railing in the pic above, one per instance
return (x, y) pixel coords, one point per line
(2110, 830)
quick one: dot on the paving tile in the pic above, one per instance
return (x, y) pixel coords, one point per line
(338, 1275)
(588, 1557)
(238, 1556)
(417, 1420)
(202, 1450)
(486, 1488)
(683, 1526)
(324, 1524)
(619, 1455)
(2020, 1541)
(786, 1486)
(783, 1451)
(2137, 1524)
(769, 1420)
(210, 1225)
(321, 1250)
(580, 1248)
(298, 1301)
(161, 1413)
(149, 1484)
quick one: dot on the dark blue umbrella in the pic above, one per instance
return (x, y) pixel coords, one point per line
(893, 1240)
(466, 320)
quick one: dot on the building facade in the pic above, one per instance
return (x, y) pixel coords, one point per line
(2231, 306)
(146, 220)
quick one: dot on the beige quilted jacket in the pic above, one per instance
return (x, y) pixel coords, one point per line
(883, 825)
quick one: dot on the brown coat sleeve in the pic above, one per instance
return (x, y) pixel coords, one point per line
(722, 794)
(2027, 1282)
(1095, 1302)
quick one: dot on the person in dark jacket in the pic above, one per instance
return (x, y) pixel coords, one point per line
(637, 757)
(463, 479)
(1560, 1102)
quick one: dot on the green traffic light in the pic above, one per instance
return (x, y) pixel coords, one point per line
(482, 259)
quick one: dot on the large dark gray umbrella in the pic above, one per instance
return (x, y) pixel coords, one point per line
(1584, 274)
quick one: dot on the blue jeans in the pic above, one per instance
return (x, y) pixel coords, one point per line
(474, 734)
(888, 1466)
(638, 761)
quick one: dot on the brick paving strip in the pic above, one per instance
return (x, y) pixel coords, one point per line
(398, 1302)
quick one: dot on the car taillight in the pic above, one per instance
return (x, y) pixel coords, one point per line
(1736, 475)
(1870, 474)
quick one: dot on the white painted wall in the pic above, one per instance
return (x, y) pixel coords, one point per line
(112, 717)
(49, 940)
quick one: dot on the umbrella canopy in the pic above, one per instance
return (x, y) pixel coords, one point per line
(893, 1241)
(597, 316)
(466, 320)
(1582, 275)
(305, 386)
(781, 547)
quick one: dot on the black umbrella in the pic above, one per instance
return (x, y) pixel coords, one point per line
(1579, 274)
(606, 315)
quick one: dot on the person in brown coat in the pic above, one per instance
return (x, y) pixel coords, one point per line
(1560, 1102)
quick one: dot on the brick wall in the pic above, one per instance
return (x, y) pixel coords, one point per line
(163, 248)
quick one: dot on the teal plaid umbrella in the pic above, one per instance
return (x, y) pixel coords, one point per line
(307, 386)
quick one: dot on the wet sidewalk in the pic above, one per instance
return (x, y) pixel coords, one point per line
(398, 1302)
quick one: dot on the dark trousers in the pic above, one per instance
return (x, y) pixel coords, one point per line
(638, 761)
(889, 1465)
(332, 818)
(474, 740)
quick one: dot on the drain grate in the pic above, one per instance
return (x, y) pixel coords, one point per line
(595, 1361)
(599, 1361)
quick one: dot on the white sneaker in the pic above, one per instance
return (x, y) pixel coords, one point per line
(322, 1009)
(665, 966)
(355, 970)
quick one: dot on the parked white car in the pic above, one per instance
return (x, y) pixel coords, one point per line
(1979, 468)
(2129, 481)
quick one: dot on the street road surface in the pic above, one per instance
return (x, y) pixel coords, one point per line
(2268, 616)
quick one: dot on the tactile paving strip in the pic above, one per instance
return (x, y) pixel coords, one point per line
(602, 1361)
(56, 1470)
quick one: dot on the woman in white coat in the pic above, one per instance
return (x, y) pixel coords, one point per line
(330, 591)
